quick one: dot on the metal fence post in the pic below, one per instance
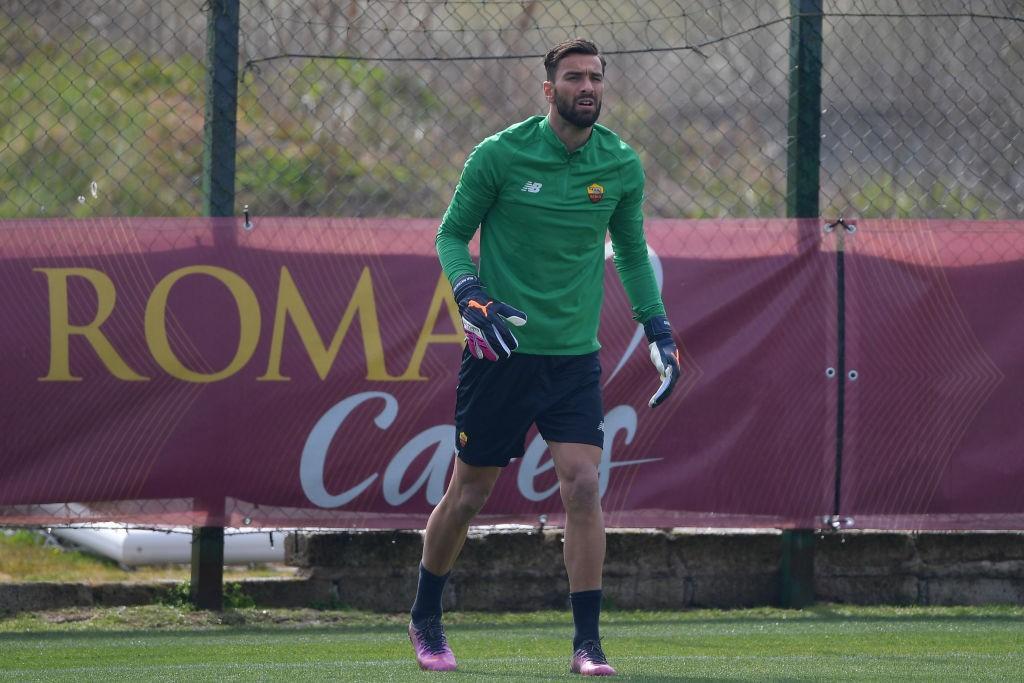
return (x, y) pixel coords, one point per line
(219, 146)
(797, 568)
(219, 132)
(803, 186)
(206, 590)
(803, 150)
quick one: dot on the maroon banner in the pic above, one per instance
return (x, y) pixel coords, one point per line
(186, 371)
(935, 417)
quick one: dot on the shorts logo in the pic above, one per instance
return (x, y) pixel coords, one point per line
(463, 439)
(595, 192)
(532, 187)
(600, 426)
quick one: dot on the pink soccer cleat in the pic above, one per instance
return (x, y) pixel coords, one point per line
(431, 645)
(589, 660)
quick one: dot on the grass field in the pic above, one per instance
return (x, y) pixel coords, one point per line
(830, 642)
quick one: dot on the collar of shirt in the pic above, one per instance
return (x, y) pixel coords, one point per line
(549, 136)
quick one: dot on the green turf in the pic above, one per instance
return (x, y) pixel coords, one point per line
(827, 643)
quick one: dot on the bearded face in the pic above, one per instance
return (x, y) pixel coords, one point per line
(577, 89)
(581, 110)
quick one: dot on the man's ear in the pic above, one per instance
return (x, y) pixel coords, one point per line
(549, 91)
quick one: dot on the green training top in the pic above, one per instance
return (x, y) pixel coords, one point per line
(543, 215)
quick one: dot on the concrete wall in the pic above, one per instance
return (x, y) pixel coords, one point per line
(38, 596)
(921, 569)
(671, 569)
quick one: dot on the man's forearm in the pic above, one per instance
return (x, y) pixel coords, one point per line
(453, 253)
(641, 289)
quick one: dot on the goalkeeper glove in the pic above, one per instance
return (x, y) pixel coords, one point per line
(487, 334)
(664, 355)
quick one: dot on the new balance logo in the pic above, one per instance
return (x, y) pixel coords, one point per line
(532, 187)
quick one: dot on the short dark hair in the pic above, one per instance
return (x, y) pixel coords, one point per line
(572, 46)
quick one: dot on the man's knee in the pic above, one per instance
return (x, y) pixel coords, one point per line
(469, 500)
(581, 490)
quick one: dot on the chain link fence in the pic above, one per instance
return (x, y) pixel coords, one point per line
(369, 107)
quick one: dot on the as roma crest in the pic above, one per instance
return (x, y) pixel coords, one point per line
(595, 192)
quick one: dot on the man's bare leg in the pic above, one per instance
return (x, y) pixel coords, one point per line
(577, 467)
(446, 533)
(449, 522)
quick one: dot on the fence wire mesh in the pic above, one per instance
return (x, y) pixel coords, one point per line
(923, 111)
(369, 107)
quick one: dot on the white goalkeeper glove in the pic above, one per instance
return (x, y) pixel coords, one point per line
(664, 355)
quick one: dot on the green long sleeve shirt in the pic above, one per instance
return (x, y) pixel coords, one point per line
(543, 215)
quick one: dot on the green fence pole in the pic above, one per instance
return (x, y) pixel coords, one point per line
(803, 151)
(803, 185)
(219, 133)
(206, 590)
(797, 568)
(219, 145)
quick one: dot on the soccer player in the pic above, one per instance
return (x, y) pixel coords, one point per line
(544, 193)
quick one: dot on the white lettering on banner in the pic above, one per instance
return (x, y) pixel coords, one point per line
(530, 467)
(619, 419)
(442, 438)
(314, 454)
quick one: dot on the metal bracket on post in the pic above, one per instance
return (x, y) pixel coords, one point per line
(848, 228)
(836, 523)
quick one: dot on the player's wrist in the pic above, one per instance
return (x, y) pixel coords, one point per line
(467, 286)
(657, 328)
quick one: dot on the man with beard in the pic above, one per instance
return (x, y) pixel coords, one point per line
(544, 193)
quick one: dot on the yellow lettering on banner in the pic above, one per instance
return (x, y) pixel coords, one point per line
(156, 323)
(61, 328)
(442, 299)
(291, 306)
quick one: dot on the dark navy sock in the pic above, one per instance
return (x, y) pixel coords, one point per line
(586, 613)
(428, 595)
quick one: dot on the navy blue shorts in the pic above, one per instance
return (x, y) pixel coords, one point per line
(497, 402)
